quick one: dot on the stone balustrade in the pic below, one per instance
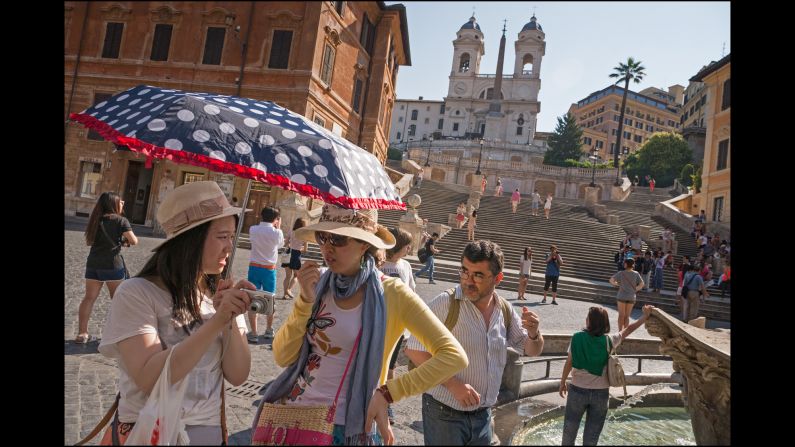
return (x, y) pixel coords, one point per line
(505, 165)
(401, 181)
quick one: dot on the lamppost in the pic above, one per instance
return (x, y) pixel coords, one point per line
(594, 157)
(622, 154)
(626, 154)
(428, 159)
(480, 155)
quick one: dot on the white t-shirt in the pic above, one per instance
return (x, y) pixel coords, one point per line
(141, 307)
(525, 265)
(583, 379)
(295, 243)
(328, 357)
(265, 243)
(400, 269)
(548, 203)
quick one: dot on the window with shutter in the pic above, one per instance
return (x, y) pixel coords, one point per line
(214, 45)
(726, 101)
(328, 64)
(723, 155)
(113, 32)
(357, 95)
(280, 49)
(161, 42)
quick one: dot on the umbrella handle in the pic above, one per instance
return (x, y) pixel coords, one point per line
(239, 230)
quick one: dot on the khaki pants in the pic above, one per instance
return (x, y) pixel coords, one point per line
(690, 306)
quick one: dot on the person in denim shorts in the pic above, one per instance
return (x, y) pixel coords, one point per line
(106, 233)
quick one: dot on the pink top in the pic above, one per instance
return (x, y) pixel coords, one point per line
(515, 196)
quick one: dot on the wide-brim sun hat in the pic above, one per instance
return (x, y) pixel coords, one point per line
(358, 224)
(191, 205)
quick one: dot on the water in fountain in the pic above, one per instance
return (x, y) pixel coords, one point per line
(640, 426)
(636, 398)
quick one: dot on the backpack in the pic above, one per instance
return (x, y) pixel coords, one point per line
(615, 371)
(455, 308)
(686, 289)
(422, 254)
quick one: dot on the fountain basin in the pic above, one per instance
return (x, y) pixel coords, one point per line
(516, 420)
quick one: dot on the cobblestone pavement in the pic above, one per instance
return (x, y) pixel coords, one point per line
(90, 378)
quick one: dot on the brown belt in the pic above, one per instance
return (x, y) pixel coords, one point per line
(269, 267)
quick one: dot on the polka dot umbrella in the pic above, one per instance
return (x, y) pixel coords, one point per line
(248, 138)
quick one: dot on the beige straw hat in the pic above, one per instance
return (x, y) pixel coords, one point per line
(358, 224)
(191, 205)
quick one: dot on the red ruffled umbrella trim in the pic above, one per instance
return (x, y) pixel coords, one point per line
(182, 157)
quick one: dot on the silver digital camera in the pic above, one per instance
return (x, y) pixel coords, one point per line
(261, 301)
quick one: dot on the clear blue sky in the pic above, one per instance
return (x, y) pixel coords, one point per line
(585, 40)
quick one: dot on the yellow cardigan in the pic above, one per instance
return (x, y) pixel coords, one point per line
(404, 310)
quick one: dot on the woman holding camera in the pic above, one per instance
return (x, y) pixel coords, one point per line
(339, 337)
(180, 302)
(106, 233)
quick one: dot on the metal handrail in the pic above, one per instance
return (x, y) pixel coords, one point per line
(639, 357)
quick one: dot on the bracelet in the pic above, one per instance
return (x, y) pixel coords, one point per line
(538, 335)
(385, 392)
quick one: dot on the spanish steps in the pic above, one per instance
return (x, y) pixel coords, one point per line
(586, 245)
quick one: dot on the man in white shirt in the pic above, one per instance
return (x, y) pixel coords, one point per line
(458, 412)
(266, 238)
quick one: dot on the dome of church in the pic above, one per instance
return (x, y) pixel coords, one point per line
(532, 25)
(471, 24)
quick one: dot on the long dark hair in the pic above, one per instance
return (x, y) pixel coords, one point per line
(598, 321)
(299, 223)
(525, 253)
(107, 203)
(178, 263)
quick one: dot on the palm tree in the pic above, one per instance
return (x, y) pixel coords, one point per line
(625, 72)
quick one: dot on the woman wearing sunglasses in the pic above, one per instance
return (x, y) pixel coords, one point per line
(353, 311)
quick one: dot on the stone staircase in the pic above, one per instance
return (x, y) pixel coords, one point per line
(586, 245)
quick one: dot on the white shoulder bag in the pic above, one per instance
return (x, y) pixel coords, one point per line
(160, 420)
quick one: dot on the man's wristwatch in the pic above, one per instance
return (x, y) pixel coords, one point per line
(538, 334)
(385, 392)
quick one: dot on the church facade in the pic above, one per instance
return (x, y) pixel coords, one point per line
(472, 110)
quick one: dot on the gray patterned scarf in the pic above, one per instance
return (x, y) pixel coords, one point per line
(366, 365)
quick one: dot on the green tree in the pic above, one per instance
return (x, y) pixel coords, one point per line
(663, 157)
(394, 153)
(565, 142)
(631, 71)
(696, 178)
(686, 176)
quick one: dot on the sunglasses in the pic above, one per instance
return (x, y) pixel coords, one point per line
(336, 240)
